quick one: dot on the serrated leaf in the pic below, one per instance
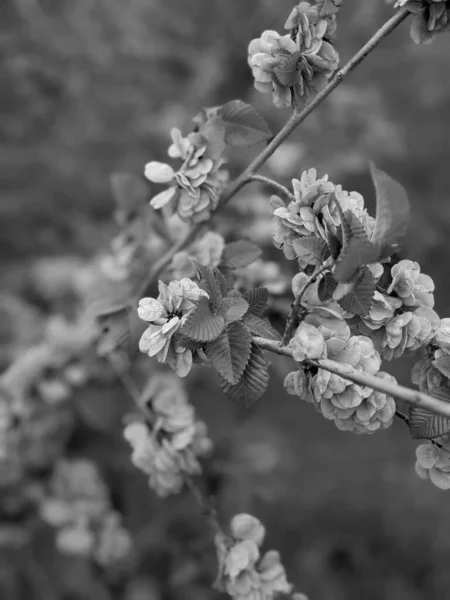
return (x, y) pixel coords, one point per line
(261, 327)
(360, 299)
(257, 301)
(213, 286)
(326, 287)
(309, 245)
(234, 308)
(129, 192)
(202, 325)
(442, 364)
(392, 215)
(107, 297)
(239, 254)
(424, 425)
(253, 382)
(230, 352)
(244, 126)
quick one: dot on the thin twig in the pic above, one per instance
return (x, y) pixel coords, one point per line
(281, 189)
(414, 397)
(293, 317)
(295, 120)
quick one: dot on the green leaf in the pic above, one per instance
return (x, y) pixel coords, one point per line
(129, 192)
(253, 382)
(424, 425)
(393, 210)
(326, 287)
(244, 126)
(239, 254)
(310, 245)
(230, 352)
(261, 327)
(234, 308)
(211, 278)
(257, 300)
(287, 70)
(442, 364)
(202, 325)
(356, 251)
(360, 299)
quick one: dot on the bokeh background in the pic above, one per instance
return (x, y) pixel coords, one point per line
(91, 87)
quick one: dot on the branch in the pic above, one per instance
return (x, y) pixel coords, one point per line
(274, 184)
(295, 120)
(413, 397)
(293, 317)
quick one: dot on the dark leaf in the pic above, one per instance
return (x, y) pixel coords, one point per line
(326, 287)
(442, 364)
(261, 327)
(239, 254)
(244, 126)
(360, 299)
(202, 325)
(234, 308)
(253, 382)
(356, 251)
(257, 300)
(424, 425)
(230, 352)
(213, 286)
(309, 246)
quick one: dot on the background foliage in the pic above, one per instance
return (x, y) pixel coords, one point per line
(92, 87)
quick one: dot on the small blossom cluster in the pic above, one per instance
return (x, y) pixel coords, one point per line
(166, 315)
(194, 189)
(168, 450)
(351, 406)
(402, 319)
(207, 251)
(243, 573)
(433, 463)
(262, 273)
(430, 18)
(432, 372)
(78, 505)
(295, 66)
(309, 214)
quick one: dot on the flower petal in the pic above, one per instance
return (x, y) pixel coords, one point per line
(159, 172)
(163, 198)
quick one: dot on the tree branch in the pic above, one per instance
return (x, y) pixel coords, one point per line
(414, 397)
(295, 120)
(274, 184)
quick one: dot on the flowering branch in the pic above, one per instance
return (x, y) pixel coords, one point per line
(293, 317)
(413, 397)
(274, 184)
(295, 120)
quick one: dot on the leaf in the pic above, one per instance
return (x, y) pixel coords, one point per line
(393, 210)
(129, 192)
(213, 286)
(234, 308)
(239, 254)
(261, 327)
(310, 245)
(326, 287)
(424, 425)
(230, 352)
(202, 325)
(253, 382)
(244, 126)
(356, 251)
(257, 300)
(107, 297)
(360, 299)
(442, 364)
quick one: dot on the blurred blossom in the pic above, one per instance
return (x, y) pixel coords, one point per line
(263, 273)
(433, 463)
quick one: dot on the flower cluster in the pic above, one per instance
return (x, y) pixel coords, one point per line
(168, 446)
(78, 505)
(194, 188)
(309, 214)
(430, 18)
(433, 463)
(432, 372)
(243, 573)
(166, 315)
(402, 319)
(262, 273)
(351, 406)
(206, 251)
(295, 66)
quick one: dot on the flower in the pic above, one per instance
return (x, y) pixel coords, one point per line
(408, 331)
(166, 315)
(207, 251)
(265, 273)
(247, 527)
(433, 463)
(297, 383)
(413, 287)
(430, 17)
(293, 69)
(193, 189)
(382, 311)
(307, 342)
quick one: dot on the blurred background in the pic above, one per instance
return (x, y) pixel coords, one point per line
(92, 87)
